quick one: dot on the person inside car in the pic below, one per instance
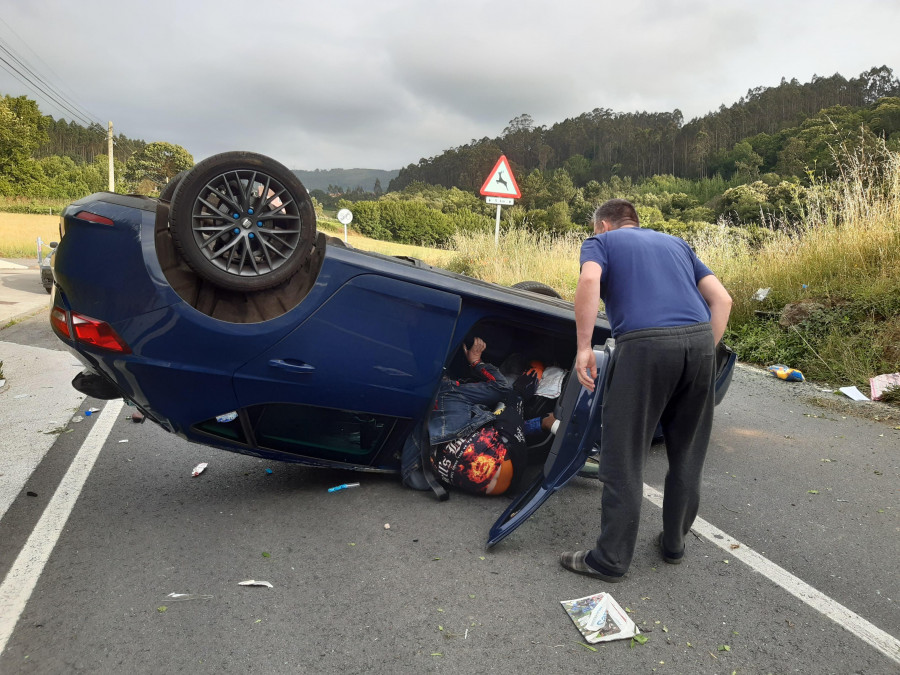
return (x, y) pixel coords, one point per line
(476, 434)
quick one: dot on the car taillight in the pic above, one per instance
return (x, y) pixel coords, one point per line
(93, 218)
(98, 333)
(90, 331)
(59, 321)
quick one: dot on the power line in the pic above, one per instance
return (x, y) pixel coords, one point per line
(69, 94)
(22, 71)
(41, 89)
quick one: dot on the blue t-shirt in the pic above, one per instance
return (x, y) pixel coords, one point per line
(648, 280)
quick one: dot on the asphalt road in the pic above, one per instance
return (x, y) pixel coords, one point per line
(811, 491)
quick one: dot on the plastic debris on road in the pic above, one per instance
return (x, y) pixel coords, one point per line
(269, 472)
(182, 597)
(881, 383)
(344, 486)
(200, 468)
(853, 393)
(77, 419)
(761, 294)
(599, 618)
(253, 582)
(785, 373)
(91, 411)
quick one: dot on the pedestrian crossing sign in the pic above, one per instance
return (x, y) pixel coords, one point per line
(501, 182)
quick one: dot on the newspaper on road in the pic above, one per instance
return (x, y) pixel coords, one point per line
(599, 618)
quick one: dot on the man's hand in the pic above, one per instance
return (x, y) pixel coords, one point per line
(586, 367)
(473, 353)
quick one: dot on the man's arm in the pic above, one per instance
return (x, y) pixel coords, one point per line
(719, 302)
(587, 300)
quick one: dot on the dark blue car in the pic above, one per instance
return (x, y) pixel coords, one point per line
(222, 314)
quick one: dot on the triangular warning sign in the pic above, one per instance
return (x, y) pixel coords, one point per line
(501, 182)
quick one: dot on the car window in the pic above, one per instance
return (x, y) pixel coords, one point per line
(338, 435)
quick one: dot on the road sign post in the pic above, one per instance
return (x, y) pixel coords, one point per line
(345, 217)
(500, 188)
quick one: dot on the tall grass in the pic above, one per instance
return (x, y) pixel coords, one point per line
(520, 256)
(843, 257)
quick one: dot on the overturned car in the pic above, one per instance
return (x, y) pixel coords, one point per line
(226, 318)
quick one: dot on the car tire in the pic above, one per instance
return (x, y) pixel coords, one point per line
(169, 188)
(242, 221)
(537, 287)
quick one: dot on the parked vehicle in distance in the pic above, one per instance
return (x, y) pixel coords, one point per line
(222, 314)
(46, 265)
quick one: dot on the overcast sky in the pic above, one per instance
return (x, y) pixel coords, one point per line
(381, 84)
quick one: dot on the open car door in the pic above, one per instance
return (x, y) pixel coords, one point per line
(577, 437)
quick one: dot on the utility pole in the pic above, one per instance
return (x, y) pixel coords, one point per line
(112, 168)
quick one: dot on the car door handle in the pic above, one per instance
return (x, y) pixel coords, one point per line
(291, 365)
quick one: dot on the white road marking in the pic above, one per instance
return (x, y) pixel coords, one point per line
(23, 576)
(865, 630)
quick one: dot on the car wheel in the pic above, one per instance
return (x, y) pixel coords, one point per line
(537, 287)
(242, 221)
(168, 190)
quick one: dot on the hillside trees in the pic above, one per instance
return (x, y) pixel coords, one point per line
(43, 158)
(154, 165)
(643, 144)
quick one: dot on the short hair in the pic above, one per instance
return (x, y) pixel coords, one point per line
(617, 211)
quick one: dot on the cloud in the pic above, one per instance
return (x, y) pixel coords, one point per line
(381, 85)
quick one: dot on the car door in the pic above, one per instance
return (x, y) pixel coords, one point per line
(353, 373)
(577, 437)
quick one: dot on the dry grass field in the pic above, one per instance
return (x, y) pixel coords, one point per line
(19, 233)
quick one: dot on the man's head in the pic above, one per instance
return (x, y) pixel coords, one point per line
(613, 214)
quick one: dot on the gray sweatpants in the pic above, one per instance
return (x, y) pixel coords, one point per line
(657, 375)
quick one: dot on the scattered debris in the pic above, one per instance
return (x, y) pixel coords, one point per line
(123, 440)
(31, 494)
(269, 472)
(22, 396)
(91, 411)
(77, 419)
(599, 618)
(253, 582)
(343, 487)
(853, 393)
(183, 597)
(761, 294)
(137, 418)
(882, 383)
(783, 372)
(387, 526)
(200, 468)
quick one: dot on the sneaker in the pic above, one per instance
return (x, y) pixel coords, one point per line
(671, 558)
(575, 562)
